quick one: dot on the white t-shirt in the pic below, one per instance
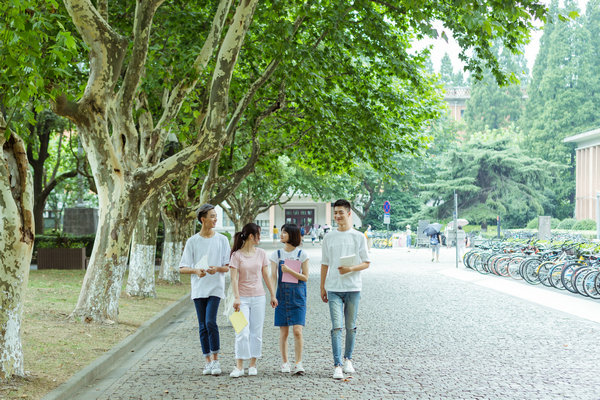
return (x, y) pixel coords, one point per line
(337, 244)
(292, 255)
(217, 251)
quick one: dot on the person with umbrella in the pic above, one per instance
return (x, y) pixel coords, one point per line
(435, 240)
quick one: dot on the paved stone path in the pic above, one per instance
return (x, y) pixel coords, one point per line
(422, 334)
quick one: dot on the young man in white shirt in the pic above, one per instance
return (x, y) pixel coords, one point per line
(341, 285)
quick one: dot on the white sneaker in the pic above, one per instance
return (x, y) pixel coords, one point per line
(298, 368)
(348, 368)
(236, 373)
(337, 373)
(207, 368)
(285, 368)
(216, 368)
(252, 371)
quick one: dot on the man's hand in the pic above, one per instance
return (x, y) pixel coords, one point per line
(344, 270)
(324, 295)
(200, 272)
(211, 270)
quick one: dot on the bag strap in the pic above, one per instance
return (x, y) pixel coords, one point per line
(279, 254)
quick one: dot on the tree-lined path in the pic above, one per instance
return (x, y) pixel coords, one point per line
(422, 334)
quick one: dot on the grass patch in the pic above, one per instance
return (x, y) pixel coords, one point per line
(56, 347)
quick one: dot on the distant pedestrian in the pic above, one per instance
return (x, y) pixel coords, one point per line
(291, 296)
(206, 257)
(435, 241)
(344, 255)
(369, 236)
(249, 268)
(313, 234)
(408, 237)
(275, 232)
(302, 231)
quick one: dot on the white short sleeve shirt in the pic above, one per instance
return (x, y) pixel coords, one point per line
(337, 244)
(217, 251)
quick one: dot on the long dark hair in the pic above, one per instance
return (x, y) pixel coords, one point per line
(240, 237)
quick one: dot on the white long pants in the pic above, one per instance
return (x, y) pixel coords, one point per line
(248, 343)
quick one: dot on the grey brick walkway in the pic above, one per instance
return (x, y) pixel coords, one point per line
(421, 335)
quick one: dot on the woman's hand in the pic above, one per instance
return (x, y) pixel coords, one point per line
(285, 268)
(211, 270)
(236, 304)
(274, 302)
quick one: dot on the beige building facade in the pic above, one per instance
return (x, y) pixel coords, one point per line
(300, 210)
(587, 173)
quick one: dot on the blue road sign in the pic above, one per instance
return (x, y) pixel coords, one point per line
(387, 207)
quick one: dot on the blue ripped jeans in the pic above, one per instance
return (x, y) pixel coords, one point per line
(343, 307)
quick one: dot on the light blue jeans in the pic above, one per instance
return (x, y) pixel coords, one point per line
(343, 305)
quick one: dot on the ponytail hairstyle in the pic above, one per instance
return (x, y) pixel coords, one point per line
(240, 237)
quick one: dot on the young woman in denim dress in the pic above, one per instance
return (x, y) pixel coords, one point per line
(291, 297)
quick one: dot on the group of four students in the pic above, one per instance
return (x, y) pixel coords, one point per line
(208, 257)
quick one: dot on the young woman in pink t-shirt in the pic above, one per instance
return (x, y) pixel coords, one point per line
(249, 268)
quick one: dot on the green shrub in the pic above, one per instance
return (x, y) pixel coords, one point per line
(65, 241)
(533, 224)
(567, 223)
(585, 225)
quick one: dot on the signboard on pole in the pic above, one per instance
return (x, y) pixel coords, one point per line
(386, 218)
(387, 207)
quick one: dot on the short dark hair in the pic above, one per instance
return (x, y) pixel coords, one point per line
(203, 210)
(343, 203)
(293, 232)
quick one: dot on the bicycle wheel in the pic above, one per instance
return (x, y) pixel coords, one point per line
(578, 279)
(514, 267)
(543, 272)
(589, 284)
(529, 271)
(567, 274)
(478, 264)
(554, 276)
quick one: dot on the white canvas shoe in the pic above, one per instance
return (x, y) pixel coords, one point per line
(337, 373)
(348, 368)
(285, 368)
(298, 369)
(236, 373)
(207, 368)
(215, 368)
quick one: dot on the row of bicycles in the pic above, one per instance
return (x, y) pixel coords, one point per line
(564, 265)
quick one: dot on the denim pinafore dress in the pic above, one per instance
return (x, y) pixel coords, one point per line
(291, 297)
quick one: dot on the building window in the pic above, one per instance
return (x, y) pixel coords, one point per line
(263, 223)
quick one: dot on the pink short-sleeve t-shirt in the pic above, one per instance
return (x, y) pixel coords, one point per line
(250, 271)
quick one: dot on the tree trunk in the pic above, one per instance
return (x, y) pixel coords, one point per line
(99, 297)
(16, 247)
(143, 251)
(177, 231)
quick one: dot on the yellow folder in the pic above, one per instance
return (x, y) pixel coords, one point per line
(238, 320)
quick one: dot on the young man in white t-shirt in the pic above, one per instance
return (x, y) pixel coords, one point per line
(206, 258)
(341, 285)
